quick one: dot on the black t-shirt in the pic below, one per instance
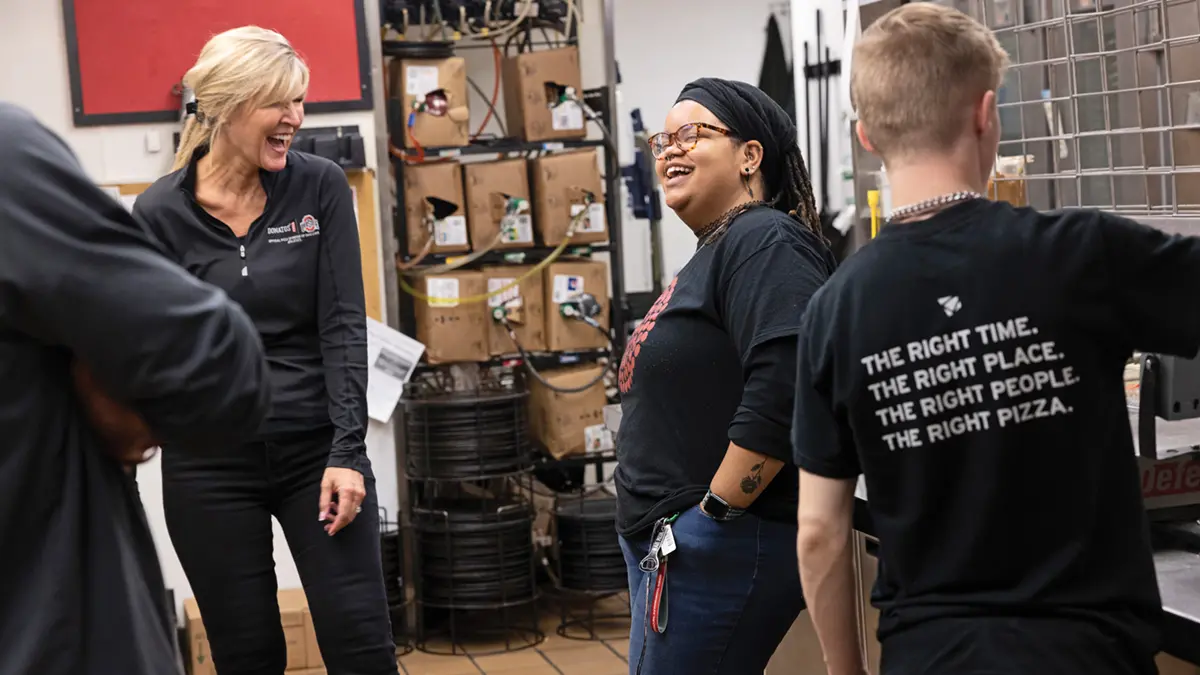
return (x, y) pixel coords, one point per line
(81, 592)
(970, 366)
(298, 273)
(711, 363)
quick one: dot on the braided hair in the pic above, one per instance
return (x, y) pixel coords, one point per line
(794, 193)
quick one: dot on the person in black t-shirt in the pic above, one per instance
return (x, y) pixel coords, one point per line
(706, 507)
(968, 363)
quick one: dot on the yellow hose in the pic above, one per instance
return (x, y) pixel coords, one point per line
(873, 203)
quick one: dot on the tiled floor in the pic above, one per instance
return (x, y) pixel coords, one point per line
(554, 656)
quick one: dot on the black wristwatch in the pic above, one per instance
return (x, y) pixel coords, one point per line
(719, 509)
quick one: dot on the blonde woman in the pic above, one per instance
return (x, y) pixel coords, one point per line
(276, 230)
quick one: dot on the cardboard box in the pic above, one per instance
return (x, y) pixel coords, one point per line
(310, 640)
(452, 331)
(199, 655)
(292, 605)
(527, 309)
(564, 281)
(297, 633)
(557, 180)
(410, 79)
(565, 423)
(526, 105)
(483, 180)
(442, 180)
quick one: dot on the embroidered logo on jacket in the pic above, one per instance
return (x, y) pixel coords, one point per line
(292, 232)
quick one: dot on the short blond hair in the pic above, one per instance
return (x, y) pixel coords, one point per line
(916, 70)
(247, 66)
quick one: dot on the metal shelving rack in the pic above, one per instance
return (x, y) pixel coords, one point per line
(399, 304)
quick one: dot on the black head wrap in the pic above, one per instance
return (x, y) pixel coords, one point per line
(752, 116)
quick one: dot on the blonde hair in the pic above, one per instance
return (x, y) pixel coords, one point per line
(247, 66)
(915, 72)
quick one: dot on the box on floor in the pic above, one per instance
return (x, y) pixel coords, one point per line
(303, 654)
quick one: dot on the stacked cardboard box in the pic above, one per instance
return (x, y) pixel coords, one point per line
(303, 654)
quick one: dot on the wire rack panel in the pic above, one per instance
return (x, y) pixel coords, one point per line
(1103, 101)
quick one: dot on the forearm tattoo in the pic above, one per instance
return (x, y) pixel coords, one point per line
(752, 482)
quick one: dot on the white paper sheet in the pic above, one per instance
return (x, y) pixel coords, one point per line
(392, 356)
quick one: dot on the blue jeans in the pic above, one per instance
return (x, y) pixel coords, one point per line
(732, 593)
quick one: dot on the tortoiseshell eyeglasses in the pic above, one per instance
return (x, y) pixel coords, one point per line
(684, 138)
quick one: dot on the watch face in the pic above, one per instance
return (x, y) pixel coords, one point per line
(715, 507)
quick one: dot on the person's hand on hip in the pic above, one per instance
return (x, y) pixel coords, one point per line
(124, 434)
(348, 486)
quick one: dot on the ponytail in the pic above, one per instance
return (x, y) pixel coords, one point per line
(195, 135)
(795, 193)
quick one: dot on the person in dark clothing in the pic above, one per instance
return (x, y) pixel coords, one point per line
(105, 345)
(277, 230)
(706, 513)
(968, 363)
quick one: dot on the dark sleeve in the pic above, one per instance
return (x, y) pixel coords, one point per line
(342, 321)
(822, 442)
(77, 272)
(764, 415)
(763, 302)
(1155, 280)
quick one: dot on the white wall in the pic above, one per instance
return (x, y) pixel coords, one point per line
(31, 34)
(804, 28)
(665, 44)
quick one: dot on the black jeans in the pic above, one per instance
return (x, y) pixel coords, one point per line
(218, 506)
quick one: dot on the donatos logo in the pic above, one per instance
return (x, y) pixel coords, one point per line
(294, 232)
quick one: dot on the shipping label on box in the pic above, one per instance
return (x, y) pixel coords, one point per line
(567, 287)
(594, 221)
(567, 116)
(517, 229)
(420, 80)
(442, 291)
(524, 305)
(509, 294)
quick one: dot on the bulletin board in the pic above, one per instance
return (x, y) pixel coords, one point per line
(362, 182)
(126, 57)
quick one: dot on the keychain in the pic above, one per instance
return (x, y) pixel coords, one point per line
(662, 544)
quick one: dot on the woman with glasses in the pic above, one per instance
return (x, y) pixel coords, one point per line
(706, 487)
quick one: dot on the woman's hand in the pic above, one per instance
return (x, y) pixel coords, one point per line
(348, 485)
(124, 433)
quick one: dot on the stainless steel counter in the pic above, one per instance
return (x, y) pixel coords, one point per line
(1179, 584)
